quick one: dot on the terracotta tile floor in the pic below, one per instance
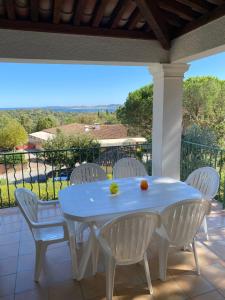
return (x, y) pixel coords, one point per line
(17, 267)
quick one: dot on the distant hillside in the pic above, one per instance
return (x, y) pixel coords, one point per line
(79, 109)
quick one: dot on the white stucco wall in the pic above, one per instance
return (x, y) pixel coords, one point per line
(16, 45)
(201, 42)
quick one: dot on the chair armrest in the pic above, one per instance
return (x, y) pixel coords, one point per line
(58, 222)
(49, 202)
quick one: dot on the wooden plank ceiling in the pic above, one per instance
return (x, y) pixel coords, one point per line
(162, 20)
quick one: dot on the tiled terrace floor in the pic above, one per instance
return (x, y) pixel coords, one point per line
(17, 266)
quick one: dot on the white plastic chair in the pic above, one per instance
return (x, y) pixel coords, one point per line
(179, 225)
(88, 172)
(124, 241)
(207, 181)
(128, 167)
(44, 232)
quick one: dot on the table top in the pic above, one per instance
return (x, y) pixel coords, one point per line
(90, 201)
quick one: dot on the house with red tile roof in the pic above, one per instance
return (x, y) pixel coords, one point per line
(106, 135)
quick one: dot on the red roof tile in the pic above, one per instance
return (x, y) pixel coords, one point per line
(100, 132)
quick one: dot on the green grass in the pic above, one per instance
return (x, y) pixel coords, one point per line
(44, 190)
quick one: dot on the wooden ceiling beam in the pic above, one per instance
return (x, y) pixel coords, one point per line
(78, 12)
(57, 11)
(197, 5)
(34, 13)
(153, 17)
(173, 20)
(209, 17)
(10, 8)
(118, 13)
(133, 20)
(99, 12)
(176, 8)
(216, 2)
(69, 29)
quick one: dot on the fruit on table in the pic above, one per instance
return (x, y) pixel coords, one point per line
(144, 185)
(114, 188)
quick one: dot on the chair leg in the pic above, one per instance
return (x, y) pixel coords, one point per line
(196, 257)
(205, 228)
(40, 253)
(163, 255)
(95, 257)
(110, 273)
(147, 273)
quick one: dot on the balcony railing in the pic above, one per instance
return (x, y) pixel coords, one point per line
(47, 172)
(195, 156)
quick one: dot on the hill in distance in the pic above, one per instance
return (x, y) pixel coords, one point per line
(75, 108)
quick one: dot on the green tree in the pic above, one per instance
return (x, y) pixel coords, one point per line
(12, 133)
(203, 102)
(200, 135)
(80, 148)
(136, 112)
(46, 122)
(200, 94)
(26, 122)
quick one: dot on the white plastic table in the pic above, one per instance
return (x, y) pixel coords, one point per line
(92, 201)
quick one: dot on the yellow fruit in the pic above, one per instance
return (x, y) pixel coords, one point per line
(114, 188)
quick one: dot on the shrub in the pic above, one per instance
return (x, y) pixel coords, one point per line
(200, 135)
(10, 159)
(73, 149)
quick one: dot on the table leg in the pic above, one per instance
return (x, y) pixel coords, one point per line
(73, 252)
(73, 248)
(86, 256)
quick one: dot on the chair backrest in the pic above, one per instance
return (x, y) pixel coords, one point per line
(28, 204)
(206, 180)
(88, 172)
(181, 221)
(128, 167)
(126, 238)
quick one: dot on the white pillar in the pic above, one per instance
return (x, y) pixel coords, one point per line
(167, 118)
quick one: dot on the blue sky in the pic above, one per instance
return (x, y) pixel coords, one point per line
(27, 85)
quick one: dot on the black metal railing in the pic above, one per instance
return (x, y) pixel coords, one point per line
(194, 156)
(47, 172)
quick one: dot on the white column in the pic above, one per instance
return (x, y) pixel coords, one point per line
(167, 118)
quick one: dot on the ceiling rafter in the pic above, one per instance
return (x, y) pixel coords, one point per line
(57, 11)
(10, 8)
(118, 13)
(133, 20)
(78, 12)
(34, 14)
(161, 20)
(181, 10)
(151, 14)
(204, 19)
(197, 5)
(99, 12)
(172, 19)
(68, 29)
(216, 2)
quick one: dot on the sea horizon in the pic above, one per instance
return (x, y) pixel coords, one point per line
(73, 108)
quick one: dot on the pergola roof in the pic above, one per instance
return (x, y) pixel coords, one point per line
(162, 20)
